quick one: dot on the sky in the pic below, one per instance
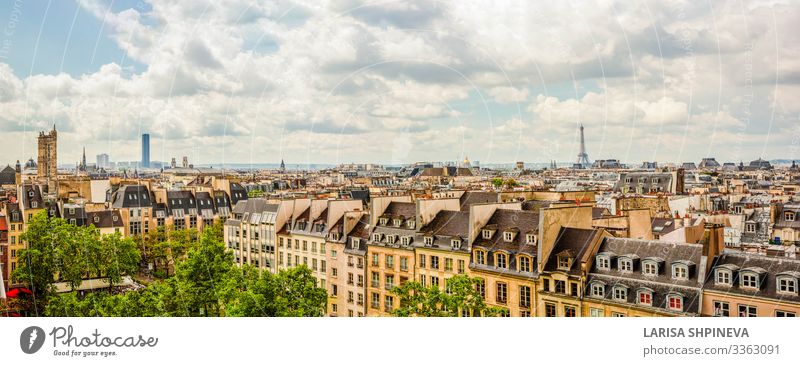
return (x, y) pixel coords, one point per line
(396, 82)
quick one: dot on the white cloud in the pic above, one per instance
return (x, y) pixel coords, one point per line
(246, 79)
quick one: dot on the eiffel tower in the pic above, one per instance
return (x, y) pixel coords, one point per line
(583, 157)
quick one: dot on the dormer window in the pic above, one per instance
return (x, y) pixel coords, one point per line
(680, 271)
(34, 204)
(786, 284)
(749, 280)
(30, 193)
(789, 216)
(71, 211)
(723, 277)
(644, 297)
(508, 236)
(383, 221)
(487, 234)
(564, 263)
(428, 241)
(675, 302)
(650, 268)
(376, 237)
(750, 228)
(628, 180)
(391, 238)
(480, 257)
(524, 263)
(737, 210)
(355, 243)
(398, 222)
(603, 262)
(530, 239)
(625, 264)
(620, 293)
(96, 219)
(455, 244)
(410, 224)
(114, 218)
(335, 236)
(598, 289)
(405, 240)
(501, 260)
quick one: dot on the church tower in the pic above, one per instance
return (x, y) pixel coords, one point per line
(47, 168)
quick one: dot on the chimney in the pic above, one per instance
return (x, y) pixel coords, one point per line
(687, 221)
(713, 240)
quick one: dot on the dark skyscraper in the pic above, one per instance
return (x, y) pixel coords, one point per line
(146, 150)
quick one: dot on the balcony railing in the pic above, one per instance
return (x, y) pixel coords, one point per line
(375, 284)
(388, 286)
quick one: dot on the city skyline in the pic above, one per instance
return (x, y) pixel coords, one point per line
(402, 82)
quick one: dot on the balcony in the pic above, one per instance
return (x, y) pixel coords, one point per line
(375, 284)
(388, 286)
(375, 305)
(388, 308)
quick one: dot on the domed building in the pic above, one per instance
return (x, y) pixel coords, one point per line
(30, 164)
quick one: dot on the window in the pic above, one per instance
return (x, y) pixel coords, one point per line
(524, 314)
(675, 302)
(561, 287)
(787, 285)
(598, 290)
(596, 313)
(722, 308)
(525, 296)
(384, 221)
(410, 224)
(405, 240)
(603, 262)
(376, 237)
(389, 261)
(422, 261)
(376, 301)
(428, 240)
(524, 264)
(375, 281)
(750, 228)
(784, 314)
(501, 260)
(333, 254)
(546, 285)
(502, 293)
(375, 259)
(480, 286)
(569, 311)
(789, 215)
(573, 289)
(723, 277)
(549, 310)
(389, 282)
(625, 265)
(480, 257)
(650, 269)
(434, 262)
(422, 280)
(334, 290)
(620, 293)
(508, 236)
(461, 266)
(680, 272)
(335, 272)
(530, 239)
(434, 281)
(487, 234)
(455, 244)
(448, 264)
(747, 311)
(563, 263)
(645, 298)
(391, 238)
(749, 280)
(404, 263)
(360, 282)
(617, 315)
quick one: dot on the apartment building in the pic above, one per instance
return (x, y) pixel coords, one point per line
(251, 231)
(347, 250)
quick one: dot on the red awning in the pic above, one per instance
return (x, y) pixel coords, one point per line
(14, 292)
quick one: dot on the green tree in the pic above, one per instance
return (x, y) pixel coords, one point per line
(461, 297)
(511, 183)
(38, 262)
(255, 193)
(497, 182)
(120, 257)
(200, 276)
(290, 292)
